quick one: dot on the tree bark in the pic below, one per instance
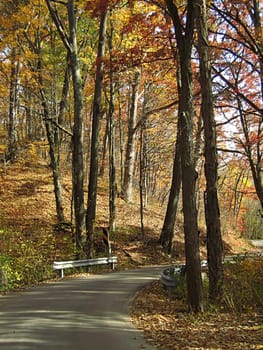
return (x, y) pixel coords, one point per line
(130, 153)
(70, 42)
(112, 169)
(167, 234)
(96, 116)
(54, 166)
(51, 141)
(77, 139)
(214, 239)
(13, 101)
(184, 39)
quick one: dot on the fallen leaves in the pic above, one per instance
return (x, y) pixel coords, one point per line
(168, 325)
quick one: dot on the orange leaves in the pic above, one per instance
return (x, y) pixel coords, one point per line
(98, 7)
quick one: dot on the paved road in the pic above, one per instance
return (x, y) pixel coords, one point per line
(257, 243)
(90, 313)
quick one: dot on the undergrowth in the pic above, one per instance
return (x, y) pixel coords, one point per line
(243, 286)
(28, 260)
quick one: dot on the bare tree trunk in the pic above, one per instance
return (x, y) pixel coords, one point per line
(167, 234)
(62, 107)
(214, 239)
(130, 152)
(93, 174)
(104, 147)
(70, 42)
(77, 139)
(184, 39)
(51, 141)
(259, 38)
(112, 170)
(54, 166)
(121, 147)
(142, 178)
(13, 101)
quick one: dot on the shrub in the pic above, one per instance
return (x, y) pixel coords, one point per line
(24, 261)
(243, 286)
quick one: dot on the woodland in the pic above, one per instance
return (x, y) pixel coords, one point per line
(149, 107)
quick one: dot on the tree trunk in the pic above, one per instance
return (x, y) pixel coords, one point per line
(96, 116)
(77, 139)
(184, 39)
(54, 167)
(142, 177)
(214, 239)
(112, 169)
(120, 132)
(62, 106)
(130, 153)
(13, 101)
(259, 38)
(104, 148)
(70, 43)
(51, 142)
(167, 234)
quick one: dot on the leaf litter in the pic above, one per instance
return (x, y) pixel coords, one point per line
(167, 324)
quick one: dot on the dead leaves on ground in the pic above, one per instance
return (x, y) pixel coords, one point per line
(168, 325)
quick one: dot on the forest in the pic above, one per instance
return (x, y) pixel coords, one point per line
(161, 99)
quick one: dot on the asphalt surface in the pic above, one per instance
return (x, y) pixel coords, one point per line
(90, 313)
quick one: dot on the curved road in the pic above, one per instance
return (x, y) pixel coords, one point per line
(75, 314)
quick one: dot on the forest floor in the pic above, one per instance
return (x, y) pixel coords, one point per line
(27, 206)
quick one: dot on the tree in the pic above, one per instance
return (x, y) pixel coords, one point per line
(8, 26)
(70, 42)
(241, 38)
(34, 44)
(96, 116)
(13, 105)
(130, 146)
(212, 215)
(111, 128)
(167, 234)
(184, 40)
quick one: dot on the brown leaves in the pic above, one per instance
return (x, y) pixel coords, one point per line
(170, 327)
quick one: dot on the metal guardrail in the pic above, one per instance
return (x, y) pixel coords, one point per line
(61, 265)
(170, 277)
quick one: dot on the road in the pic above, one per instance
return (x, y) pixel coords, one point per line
(257, 243)
(90, 313)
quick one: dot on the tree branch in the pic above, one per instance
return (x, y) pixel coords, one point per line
(59, 126)
(59, 25)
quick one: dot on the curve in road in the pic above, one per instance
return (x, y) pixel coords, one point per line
(90, 313)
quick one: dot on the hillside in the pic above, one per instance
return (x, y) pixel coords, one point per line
(28, 220)
(30, 243)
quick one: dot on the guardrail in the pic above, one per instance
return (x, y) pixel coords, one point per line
(61, 265)
(170, 277)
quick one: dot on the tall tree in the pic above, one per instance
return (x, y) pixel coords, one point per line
(130, 146)
(243, 62)
(34, 44)
(184, 39)
(70, 41)
(96, 116)
(214, 239)
(13, 105)
(167, 233)
(111, 121)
